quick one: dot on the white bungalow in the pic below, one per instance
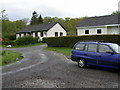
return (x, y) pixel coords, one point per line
(109, 24)
(43, 30)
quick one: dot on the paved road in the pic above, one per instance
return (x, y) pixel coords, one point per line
(46, 69)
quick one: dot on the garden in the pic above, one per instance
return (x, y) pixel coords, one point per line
(7, 57)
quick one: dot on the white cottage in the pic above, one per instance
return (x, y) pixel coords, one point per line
(109, 24)
(43, 30)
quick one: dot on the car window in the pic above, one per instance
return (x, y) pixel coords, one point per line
(79, 47)
(91, 47)
(104, 49)
(116, 48)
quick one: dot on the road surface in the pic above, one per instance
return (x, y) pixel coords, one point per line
(47, 69)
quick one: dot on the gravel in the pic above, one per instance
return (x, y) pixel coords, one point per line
(46, 69)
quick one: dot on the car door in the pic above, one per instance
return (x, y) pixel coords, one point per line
(91, 53)
(78, 50)
(106, 57)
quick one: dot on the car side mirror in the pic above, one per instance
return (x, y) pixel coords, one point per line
(110, 52)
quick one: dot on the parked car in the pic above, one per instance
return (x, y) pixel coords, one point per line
(96, 53)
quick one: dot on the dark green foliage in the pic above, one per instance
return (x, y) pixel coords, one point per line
(11, 37)
(40, 20)
(116, 13)
(35, 19)
(9, 43)
(27, 40)
(10, 28)
(69, 41)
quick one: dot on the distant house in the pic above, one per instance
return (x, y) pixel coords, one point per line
(109, 24)
(43, 30)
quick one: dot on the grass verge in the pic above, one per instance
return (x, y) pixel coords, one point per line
(7, 57)
(65, 51)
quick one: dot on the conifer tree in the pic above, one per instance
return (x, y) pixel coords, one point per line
(40, 19)
(34, 19)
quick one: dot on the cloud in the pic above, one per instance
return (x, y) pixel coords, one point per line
(18, 9)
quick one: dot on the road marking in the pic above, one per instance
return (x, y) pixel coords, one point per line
(43, 58)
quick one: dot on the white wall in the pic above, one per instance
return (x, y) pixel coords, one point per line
(33, 34)
(92, 30)
(39, 34)
(113, 30)
(22, 34)
(57, 28)
(17, 36)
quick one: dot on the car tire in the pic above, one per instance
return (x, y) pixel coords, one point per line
(82, 63)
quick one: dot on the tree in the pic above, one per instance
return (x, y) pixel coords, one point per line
(34, 19)
(10, 28)
(3, 15)
(40, 20)
(20, 24)
(116, 13)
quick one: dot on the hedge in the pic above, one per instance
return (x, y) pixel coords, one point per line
(9, 43)
(69, 41)
(26, 40)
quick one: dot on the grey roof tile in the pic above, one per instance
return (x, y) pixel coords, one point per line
(39, 27)
(101, 20)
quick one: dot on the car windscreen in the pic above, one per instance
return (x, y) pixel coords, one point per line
(116, 47)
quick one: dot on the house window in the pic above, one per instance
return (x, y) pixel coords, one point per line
(56, 34)
(99, 31)
(86, 31)
(41, 34)
(29, 33)
(61, 34)
(24, 34)
(20, 34)
(36, 34)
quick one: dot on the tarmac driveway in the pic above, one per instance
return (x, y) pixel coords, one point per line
(46, 69)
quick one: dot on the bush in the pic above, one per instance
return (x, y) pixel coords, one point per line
(26, 40)
(11, 37)
(9, 43)
(69, 41)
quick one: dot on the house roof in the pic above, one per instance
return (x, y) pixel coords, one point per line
(36, 28)
(101, 20)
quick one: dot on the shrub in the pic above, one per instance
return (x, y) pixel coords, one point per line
(69, 41)
(26, 40)
(11, 37)
(9, 43)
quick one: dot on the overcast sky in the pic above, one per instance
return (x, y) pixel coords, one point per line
(19, 9)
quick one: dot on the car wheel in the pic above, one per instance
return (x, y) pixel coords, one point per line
(82, 63)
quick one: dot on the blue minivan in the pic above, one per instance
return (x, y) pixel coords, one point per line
(96, 53)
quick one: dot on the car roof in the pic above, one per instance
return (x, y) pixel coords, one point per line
(105, 43)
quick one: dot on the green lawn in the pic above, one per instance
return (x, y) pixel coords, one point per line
(65, 51)
(7, 57)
